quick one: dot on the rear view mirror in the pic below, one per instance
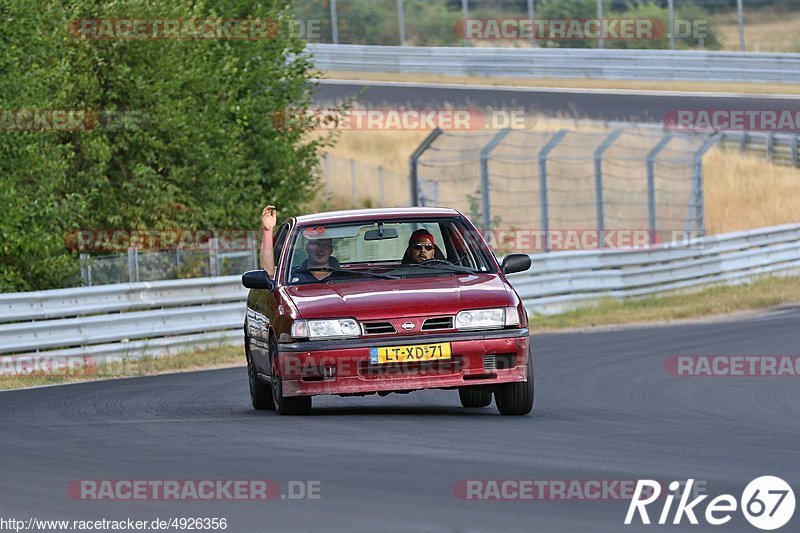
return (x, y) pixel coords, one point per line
(258, 279)
(516, 263)
(380, 234)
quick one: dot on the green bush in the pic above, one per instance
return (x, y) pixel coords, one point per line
(204, 155)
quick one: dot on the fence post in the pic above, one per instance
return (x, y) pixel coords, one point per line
(380, 186)
(213, 256)
(543, 207)
(794, 150)
(598, 184)
(413, 161)
(770, 149)
(133, 265)
(86, 271)
(486, 151)
(252, 243)
(533, 26)
(353, 182)
(697, 186)
(651, 182)
(600, 41)
(334, 23)
(401, 22)
(326, 169)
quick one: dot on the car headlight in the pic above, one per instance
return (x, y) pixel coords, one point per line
(325, 329)
(487, 318)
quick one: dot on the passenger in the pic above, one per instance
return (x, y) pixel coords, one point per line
(319, 252)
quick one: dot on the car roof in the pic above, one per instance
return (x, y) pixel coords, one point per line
(366, 215)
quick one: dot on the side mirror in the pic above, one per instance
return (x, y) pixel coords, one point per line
(516, 263)
(258, 279)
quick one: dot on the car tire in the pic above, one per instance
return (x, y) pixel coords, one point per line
(516, 399)
(291, 405)
(473, 398)
(260, 393)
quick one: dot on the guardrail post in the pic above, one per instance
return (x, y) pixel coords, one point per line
(794, 150)
(697, 199)
(743, 141)
(414, 161)
(545, 215)
(252, 244)
(486, 152)
(213, 256)
(133, 265)
(598, 183)
(651, 182)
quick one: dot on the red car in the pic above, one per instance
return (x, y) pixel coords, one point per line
(386, 300)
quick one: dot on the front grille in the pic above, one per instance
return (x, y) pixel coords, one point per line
(377, 328)
(489, 362)
(445, 322)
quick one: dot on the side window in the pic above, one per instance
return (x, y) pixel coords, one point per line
(280, 240)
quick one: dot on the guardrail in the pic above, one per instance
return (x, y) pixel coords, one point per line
(135, 319)
(779, 148)
(684, 65)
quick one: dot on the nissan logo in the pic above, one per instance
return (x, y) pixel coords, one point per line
(408, 326)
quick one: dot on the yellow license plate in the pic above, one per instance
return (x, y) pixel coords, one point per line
(409, 354)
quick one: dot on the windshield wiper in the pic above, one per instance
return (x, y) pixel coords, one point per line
(343, 271)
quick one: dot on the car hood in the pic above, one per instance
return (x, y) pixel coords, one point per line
(383, 299)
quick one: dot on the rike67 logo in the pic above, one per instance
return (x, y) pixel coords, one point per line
(767, 503)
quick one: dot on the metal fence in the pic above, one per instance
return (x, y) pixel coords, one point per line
(138, 265)
(562, 63)
(516, 179)
(128, 321)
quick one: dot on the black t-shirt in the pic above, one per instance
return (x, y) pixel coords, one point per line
(300, 275)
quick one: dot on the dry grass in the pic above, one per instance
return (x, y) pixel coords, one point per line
(705, 303)
(766, 30)
(743, 191)
(216, 357)
(703, 87)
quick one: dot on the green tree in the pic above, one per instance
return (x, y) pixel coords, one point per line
(204, 151)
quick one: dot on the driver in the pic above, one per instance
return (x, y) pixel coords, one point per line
(421, 247)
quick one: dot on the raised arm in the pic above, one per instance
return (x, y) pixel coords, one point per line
(268, 217)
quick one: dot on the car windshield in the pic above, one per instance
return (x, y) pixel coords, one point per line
(386, 249)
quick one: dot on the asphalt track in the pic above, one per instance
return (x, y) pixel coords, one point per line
(575, 103)
(605, 409)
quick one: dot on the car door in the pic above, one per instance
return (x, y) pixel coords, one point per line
(263, 309)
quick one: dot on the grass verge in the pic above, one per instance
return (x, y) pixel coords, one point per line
(216, 357)
(703, 303)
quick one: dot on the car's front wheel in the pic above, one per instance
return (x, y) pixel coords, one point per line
(260, 394)
(516, 398)
(291, 405)
(472, 398)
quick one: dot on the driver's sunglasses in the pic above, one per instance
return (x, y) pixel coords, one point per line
(420, 246)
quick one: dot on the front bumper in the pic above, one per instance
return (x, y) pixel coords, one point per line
(343, 367)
